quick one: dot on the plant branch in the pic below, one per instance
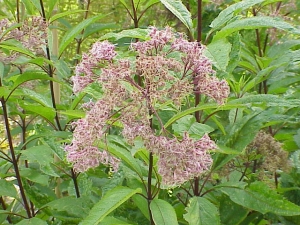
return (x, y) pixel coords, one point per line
(4, 208)
(149, 192)
(135, 18)
(50, 72)
(80, 40)
(14, 158)
(74, 178)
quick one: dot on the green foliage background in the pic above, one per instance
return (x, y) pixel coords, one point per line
(254, 45)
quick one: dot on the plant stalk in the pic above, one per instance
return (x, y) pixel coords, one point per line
(74, 178)
(80, 40)
(149, 191)
(4, 208)
(197, 94)
(50, 72)
(14, 158)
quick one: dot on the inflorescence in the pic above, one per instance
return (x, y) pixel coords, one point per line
(167, 68)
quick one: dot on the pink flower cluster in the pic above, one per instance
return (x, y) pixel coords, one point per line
(83, 152)
(84, 71)
(178, 160)
(167, 69)
(32, 34)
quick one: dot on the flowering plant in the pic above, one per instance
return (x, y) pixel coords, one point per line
(144, 131)
(167, 69)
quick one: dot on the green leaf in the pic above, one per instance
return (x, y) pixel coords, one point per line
(297, 138)
(39, 98)
(180, 11)
(63, 14)
(32, 221)
(7, 189)
(73, 114)
(230, 212)
(84, 183)
(241, 133)
(162, 212)
(255, 23)
(202, 212)
(202, 107)
(112, 200)
(46, 112)
(96, 27)
(30, 8)
(149, 3)
(18, 48)
(71, 206)
(131, 33)
(226, 150)
(52, 10)
(124, 4)
(70, 35)
(235, 54)
(219, 51)
(142, 204)
(267, 100)
(228, 13)
(34, 175)
(28, 76)
(260, 77)
(1, 70)
(188, 124)
(123, 154)
(4, 92)
(109, 220)
(261, 198)
(43, 155)
(37, 5)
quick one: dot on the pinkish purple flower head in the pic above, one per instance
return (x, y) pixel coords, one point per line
(158, 40)
(180, 161)
(103, 51)
(213, 87)
(4, 23)
(32, 34)
(163, 78)
(84, 71)
(83, 152)
(90, 157)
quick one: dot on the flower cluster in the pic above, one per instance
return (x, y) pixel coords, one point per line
(82, 152)
(166, 69)
(273, 157)
(180, 161)
(84, 71)
(32, 34)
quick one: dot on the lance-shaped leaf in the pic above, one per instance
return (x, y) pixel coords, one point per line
(124, 154)
(47, 113)
(63, 14)
(132, 33)
(228, 13)
(180, 11)
(202, 212)
(202, 107)
(255, 23)
(43, 155)
(162, 212)
(112, 200)
(70, 35)
(32, 221)
(7, 189)
(219, 53)
(261, 198)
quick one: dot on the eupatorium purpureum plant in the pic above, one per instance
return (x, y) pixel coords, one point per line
(167, 68)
